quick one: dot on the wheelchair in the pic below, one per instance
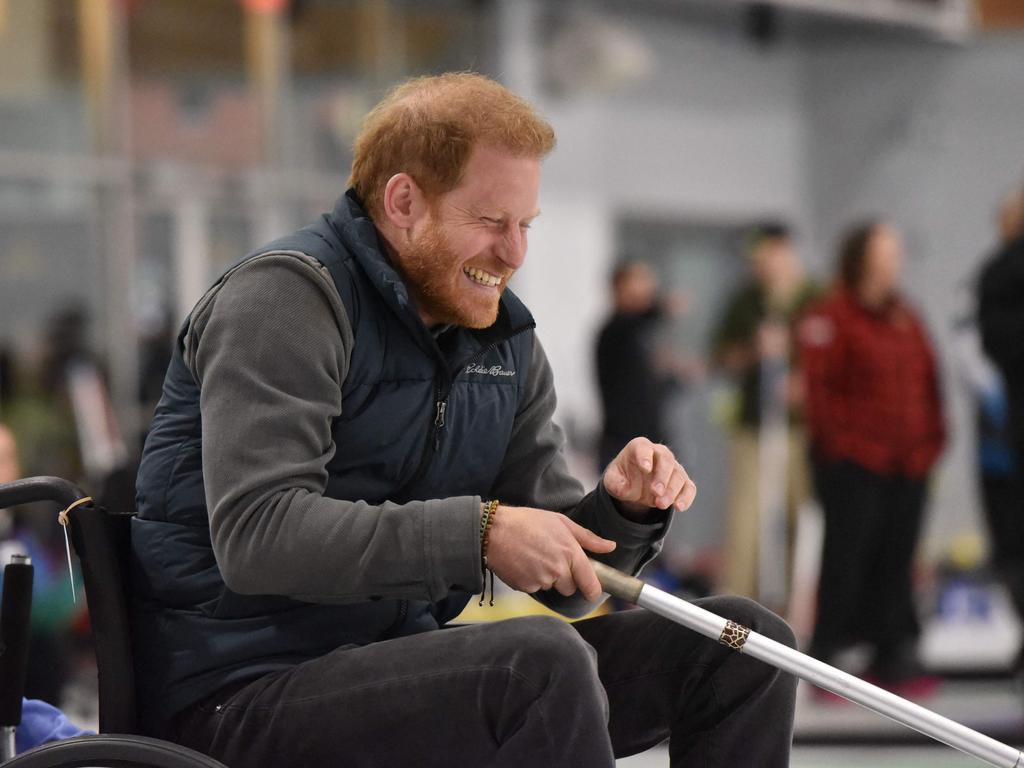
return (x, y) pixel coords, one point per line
(101, 540)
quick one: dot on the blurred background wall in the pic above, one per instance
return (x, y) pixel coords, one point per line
(147, 144)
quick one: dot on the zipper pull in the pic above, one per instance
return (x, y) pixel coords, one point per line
(442, 405)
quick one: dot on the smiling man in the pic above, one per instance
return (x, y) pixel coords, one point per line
(458, 252)
(356, 428)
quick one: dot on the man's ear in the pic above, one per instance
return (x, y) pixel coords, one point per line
(404, 201)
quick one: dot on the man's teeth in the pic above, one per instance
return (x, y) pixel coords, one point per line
(479, 276)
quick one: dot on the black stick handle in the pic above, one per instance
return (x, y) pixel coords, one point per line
(15, 612)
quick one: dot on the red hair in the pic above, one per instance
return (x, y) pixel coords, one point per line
(428, 126)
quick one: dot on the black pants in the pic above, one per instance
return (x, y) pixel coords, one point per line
(525, 693)
(865, 591)
(1004, 511)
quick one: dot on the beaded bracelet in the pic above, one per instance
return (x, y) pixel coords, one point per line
(490, 508)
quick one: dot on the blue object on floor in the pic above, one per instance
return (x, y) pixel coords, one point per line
(42, 723)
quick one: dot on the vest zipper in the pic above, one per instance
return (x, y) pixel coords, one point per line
(442, 402)
(442, 406)
(441, 393)
(437, 423)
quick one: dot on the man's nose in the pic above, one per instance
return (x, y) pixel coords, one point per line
(513, 248)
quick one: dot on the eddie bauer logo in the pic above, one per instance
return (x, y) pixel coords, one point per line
(494, 370)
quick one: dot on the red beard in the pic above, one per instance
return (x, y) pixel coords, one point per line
(434, 274)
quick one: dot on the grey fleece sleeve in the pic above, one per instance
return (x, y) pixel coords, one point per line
(535, 474)
(270, 349)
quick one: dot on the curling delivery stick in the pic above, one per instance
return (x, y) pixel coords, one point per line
(823, 675)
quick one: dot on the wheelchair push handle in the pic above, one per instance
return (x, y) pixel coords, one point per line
(33, 489)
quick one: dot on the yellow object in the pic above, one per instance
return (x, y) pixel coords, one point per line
(512, 605)
(966, 551)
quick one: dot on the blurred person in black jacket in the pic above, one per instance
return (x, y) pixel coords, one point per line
(1001, 307)
(1001, 320)
(635, 374)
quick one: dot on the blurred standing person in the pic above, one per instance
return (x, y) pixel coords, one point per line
(10, 469)
(1001, 321)
(752, 344)
(635, 375)
(6, 377)
(72, 373)
(875, 423)
(26, 530)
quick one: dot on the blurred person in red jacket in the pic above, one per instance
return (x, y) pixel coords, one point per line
(875, 425)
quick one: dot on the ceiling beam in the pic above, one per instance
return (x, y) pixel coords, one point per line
(948, 19)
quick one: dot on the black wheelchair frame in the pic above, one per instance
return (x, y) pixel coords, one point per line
(102, 541)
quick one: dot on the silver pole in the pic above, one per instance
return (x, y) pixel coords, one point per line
(773, 486)
(806, 668)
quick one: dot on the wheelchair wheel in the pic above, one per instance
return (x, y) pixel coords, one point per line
(112, 751)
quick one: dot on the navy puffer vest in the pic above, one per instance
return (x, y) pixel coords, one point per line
(416, 423)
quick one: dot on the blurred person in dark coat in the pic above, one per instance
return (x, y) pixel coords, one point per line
(635, 373)
(875, 427)
(1001, 321)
